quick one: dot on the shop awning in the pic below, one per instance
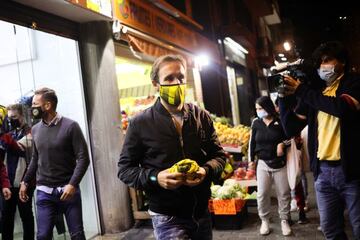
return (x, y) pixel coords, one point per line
(156, 50)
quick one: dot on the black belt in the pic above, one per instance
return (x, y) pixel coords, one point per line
(334, 163)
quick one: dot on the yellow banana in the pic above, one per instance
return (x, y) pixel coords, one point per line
(187, 166)
(173, 169)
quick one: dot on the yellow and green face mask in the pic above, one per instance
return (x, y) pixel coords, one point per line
(173, 94)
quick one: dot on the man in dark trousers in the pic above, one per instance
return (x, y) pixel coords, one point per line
(332, 112)
(161, 136)
(60, 159)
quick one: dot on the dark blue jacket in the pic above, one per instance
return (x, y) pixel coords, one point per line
(310, 101)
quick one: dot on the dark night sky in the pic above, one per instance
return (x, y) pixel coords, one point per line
(318, 21)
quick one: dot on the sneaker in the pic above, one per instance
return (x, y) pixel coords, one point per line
(285, 228)
(264, 229)
(293, 205)
(302, 218)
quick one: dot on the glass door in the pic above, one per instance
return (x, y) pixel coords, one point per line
(32, 59)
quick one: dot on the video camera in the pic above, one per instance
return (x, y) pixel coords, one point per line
(294, 69)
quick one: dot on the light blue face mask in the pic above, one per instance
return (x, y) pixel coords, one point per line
(327, 73)
(262, 113)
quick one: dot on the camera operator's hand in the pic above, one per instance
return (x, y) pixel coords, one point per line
(291, 85)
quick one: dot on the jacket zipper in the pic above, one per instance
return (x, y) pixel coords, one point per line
(178, 129)
(182, 145)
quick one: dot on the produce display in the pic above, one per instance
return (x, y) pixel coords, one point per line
(243, 174)
(124, 120)
(223, 120)
(134, 105)
(237, 136)
(230, 189)
(187, 166)
(228, 170)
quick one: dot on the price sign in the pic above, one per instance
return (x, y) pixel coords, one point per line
(224, 207)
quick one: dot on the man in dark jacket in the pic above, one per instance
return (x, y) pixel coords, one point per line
(333, 116)
(161, 136)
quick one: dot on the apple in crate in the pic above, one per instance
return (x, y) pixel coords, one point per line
(250, 174)
(240, 173)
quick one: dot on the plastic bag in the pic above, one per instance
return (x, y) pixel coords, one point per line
(293, 164)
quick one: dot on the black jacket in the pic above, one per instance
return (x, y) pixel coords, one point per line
(152, 144)
(264, 139)
(312, 101)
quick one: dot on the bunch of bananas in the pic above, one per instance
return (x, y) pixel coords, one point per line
(187, 166)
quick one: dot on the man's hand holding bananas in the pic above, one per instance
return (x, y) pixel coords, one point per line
(185, 172)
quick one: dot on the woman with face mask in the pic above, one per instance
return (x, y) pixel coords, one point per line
(266, 145)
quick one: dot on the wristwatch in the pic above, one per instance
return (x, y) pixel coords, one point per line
(153, 178)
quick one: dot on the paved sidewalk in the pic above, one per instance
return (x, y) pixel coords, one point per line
(250, 227)
(249, 230)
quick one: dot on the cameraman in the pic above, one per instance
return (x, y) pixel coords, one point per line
(333, 116)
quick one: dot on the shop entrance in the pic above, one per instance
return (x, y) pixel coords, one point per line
(32, 59)
(135, 88)
(240, 94)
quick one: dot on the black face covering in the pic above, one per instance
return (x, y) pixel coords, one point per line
(37, 112)
(14, 123)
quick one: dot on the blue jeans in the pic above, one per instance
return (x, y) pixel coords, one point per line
(333, 195)
(175, 228)
(49, 206)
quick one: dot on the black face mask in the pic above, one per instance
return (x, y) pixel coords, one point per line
(37, 112)
(14, 123)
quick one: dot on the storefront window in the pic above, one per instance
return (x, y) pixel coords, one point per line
(135, 87)
(32, 59)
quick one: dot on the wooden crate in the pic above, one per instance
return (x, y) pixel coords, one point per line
(137, 203)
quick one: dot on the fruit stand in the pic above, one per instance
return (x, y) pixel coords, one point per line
(233, 139)
(228, 204)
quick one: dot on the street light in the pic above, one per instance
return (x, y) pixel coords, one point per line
(202, 61)
(287, 46)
